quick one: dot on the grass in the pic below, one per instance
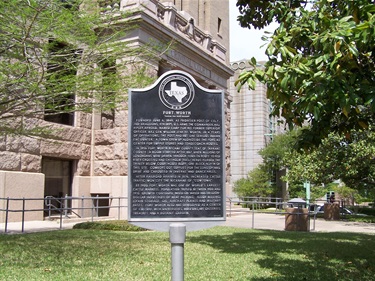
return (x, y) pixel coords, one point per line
(352, 218)
(118, 225)
(366, 219)
(219, 253)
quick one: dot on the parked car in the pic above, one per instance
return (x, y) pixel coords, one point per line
(319, 209)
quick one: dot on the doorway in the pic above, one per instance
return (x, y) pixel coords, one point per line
(58, 180)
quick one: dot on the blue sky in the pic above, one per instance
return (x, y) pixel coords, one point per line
(244, 43)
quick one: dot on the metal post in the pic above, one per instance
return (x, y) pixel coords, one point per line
(307, 187)
(177, 236)
(97, 206)
(119, 208)
(23, 214)
(92, 209)
(49, 207)
(253, 215)
(65, 205)
(6, 216)
(82, 205)
(230, 207)
(60, 220)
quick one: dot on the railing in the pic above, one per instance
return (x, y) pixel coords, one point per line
(93, 207)
(62, 206)
(59, 208)
(258, 205)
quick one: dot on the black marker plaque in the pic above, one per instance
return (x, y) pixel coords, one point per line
(176, 154)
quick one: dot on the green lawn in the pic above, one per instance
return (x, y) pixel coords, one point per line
(220, 253)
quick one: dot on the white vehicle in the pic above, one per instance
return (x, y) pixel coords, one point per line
(319, 209)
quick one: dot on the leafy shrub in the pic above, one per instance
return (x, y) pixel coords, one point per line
(116, 225)
(367, 211)
(366, 219)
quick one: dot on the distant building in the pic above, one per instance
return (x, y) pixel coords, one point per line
(88, 154)
(251, 125)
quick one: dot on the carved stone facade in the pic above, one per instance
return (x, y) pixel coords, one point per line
(95, 159)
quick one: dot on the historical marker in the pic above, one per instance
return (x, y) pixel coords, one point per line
(176, 154)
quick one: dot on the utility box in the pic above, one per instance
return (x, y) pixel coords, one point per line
(296, 219)
(331, 211)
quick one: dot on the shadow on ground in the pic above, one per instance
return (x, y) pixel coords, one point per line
(298, 255)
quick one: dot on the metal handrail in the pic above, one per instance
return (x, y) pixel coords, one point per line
(52, 207)
(62, 202)
(48, 207)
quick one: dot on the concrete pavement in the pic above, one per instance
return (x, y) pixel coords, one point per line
(35, 226)
(277, 222)
(243, 220)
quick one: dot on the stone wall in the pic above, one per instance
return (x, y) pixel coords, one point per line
(24, 153)
(18, 185)
(110, 152)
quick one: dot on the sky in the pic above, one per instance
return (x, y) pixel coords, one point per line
(244, 43)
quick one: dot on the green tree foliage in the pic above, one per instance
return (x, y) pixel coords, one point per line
(261, 181)
(274, 153)
(64, 56)
(352, 161)
(337, 158)
(320, 64)
(257, 184)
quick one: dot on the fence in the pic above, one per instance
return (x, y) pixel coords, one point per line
(16, 209)
(115, 207)
(270, 205)
(255, 203)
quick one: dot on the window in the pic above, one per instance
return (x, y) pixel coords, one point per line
(108, 94)
(101, 204)
(219, 25)
(60, 83)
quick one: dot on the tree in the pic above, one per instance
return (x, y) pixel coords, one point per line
(321, 61)
(257, 183)
(337, 158)
(261, 181)
(274, 153)
(57, 57)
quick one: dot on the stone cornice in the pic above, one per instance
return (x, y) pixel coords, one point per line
(179, 21)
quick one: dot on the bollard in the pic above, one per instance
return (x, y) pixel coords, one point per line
(177, 236)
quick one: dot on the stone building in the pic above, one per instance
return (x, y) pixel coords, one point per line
(86, 156)
(251, 125)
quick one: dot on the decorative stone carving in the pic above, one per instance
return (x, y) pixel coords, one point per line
(188, 28)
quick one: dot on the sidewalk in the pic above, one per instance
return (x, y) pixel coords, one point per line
(277, 222)
(261, 221)
(35, 226)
